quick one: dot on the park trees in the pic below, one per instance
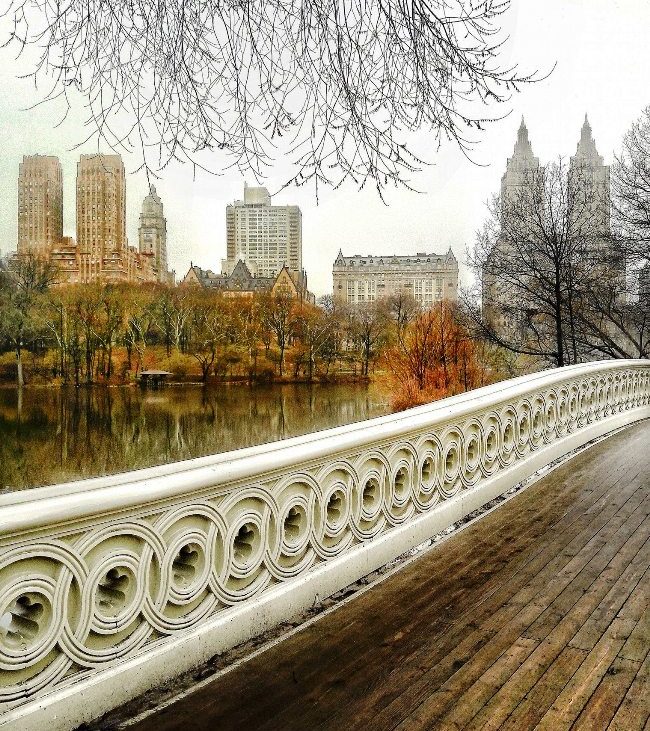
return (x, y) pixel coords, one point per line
(631, 188)
(368, 330)
(23, 286)
(209, 329)
(434, 356)
(278, 314)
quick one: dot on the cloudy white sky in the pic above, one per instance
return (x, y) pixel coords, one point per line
(603, 59)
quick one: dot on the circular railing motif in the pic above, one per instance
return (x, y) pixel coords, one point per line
(90, 596)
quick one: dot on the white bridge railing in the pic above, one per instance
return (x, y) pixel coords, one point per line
(110, 586)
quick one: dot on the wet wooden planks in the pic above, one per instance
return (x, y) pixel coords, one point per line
(535, 617)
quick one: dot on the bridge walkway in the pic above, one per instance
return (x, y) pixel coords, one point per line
(535, 616)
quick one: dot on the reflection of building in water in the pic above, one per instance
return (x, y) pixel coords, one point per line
(68, 434)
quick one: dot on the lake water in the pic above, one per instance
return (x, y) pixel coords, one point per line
(50, 435)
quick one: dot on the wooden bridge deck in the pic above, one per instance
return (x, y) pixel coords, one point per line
(536, 616)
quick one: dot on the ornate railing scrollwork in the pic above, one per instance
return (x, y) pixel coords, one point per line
(93, 573)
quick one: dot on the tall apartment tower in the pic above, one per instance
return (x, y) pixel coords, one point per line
(521, 170)
(152, 233)
(589, 176)
(521, 167)
(101, 212)
(40, 204)
(263, 236)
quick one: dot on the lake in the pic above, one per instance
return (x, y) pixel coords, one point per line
(50, 435)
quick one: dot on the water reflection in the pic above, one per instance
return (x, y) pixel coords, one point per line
(52, 435)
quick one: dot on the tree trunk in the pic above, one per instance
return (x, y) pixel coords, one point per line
(20, 381)
(559, 335)
(281, 362)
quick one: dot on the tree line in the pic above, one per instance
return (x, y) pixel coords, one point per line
(108, 333)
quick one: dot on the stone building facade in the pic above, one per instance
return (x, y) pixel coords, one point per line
(241, 282)
(265, 237)
(40, 204)
(429, 278)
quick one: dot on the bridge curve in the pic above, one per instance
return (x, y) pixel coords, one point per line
(111, 586)
(534, 617)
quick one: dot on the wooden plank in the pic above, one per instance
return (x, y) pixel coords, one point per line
(637, 644)
(634, 712)
(606, 699)
(577, 692)
(539, 699)
(506, 698)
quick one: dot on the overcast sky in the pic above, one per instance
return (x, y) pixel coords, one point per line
(603, 61)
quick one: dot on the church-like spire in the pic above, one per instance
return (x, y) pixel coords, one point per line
(586, 151)
(523, 148)
(522, 163)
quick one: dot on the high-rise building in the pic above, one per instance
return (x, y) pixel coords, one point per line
(521, 168)
(101, 213)
(589, 180)
(429, 278)
(589, 177)
(40, 204)
(101, 252)
(521, 172)
(263, 236)
(588, 217)
(152, 233)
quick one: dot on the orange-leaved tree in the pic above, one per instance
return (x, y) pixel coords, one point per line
(433, 357)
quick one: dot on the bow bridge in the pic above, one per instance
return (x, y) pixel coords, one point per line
(113, 586)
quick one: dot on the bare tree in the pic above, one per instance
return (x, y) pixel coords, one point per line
(539, 255)
(335, 85)
(631, 188)
(368, 330)
(279, 317)
(210, 326)
(403, 308)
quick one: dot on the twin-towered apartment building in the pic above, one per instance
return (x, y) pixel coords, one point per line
(101, 251)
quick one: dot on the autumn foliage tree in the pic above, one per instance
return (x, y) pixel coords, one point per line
(433, 357)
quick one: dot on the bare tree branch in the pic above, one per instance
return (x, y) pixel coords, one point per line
(333, 85)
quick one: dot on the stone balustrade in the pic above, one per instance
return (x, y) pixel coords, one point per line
(112, 585)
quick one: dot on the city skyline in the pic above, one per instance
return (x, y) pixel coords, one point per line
(452, 208)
